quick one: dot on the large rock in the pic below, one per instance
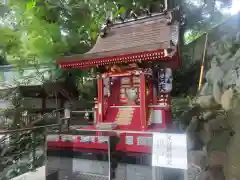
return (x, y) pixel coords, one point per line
(230, 79)
(207, 115)
(236, 57)
(214, 173)
(207, 89)
(197, 159)
(217, 92)
(205, 134)
(218, 123)
(212, 49)
(219, 141)
(222, 88)
(237, 38)
(206, 101)
(214, 78)
(186, 117)
(224, 57)
(193, 140)
(231, 63)
(227, 99)
(217, 159)
(227, 43)
(215, 74)
(237, 88)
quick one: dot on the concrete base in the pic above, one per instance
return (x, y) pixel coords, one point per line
(38, 174)
(97, 170)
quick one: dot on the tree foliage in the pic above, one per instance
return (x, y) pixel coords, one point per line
(38, 31)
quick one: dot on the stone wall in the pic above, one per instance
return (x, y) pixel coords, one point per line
(213, 129)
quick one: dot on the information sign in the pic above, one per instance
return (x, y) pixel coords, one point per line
(169, 150)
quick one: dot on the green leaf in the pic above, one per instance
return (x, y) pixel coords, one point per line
(31, 5)
(94, 35)
(121, 11)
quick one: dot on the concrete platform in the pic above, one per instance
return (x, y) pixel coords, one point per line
(97, 170)
(38, 174)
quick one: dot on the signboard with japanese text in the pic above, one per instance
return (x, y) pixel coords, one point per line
(169, 150)
(164, 80)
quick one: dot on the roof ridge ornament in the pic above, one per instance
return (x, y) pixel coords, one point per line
(146, 11)
(133, 15)
(106, 28)
(175, 15)
(119, 17)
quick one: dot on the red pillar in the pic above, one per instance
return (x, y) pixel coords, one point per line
(143, 107)
(100, 100)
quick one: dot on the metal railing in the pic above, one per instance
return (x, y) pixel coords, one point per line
(23, 150)
(115, 131)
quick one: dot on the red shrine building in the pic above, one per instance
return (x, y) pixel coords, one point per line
(130, 93)
(136, 59)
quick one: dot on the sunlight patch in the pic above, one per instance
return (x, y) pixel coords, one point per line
(235, 7)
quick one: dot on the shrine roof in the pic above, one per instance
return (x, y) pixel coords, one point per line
(146, 38)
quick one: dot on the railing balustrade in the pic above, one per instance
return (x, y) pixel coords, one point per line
(23, 150)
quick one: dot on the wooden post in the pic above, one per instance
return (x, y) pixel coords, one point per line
(33, 140)
(143, 107)
(166, 4)
(100, 100)
(203, 62)
(67, 117)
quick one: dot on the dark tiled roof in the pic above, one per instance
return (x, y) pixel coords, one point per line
(148, 33)
(142, 35)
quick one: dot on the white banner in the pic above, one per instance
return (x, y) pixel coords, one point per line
(169, 150)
